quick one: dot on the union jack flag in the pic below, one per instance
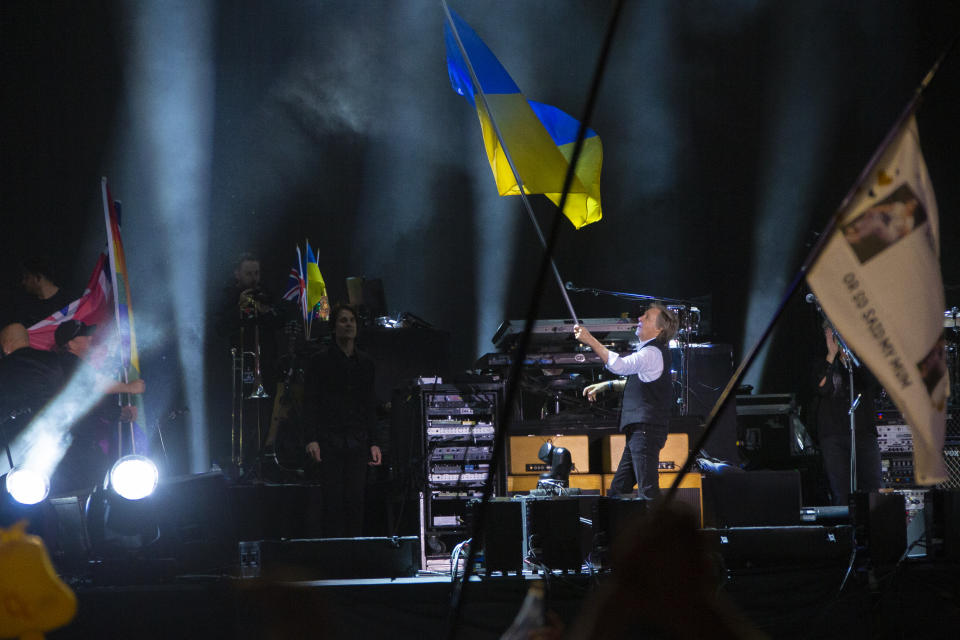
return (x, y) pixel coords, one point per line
(93, 307)
(293, 285)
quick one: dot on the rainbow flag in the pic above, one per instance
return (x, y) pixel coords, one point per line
(123, 311)
(540, 138)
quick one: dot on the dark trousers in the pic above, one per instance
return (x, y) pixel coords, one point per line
(343, 476)
(640, 462)
(836, 464)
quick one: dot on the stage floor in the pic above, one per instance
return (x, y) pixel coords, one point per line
(919, 599)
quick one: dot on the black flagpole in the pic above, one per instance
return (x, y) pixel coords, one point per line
(459, 588)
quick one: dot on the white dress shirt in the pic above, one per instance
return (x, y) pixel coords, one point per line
(646, 364)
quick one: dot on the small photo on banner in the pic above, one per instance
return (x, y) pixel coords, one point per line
(885, 223)
(933, 367)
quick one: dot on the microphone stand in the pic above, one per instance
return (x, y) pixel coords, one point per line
(848, 360)
(623, 294)
(685, 330)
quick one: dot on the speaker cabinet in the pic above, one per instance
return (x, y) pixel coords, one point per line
(710, 368)
(587, 483)
(672, 456)
(752, 499)
(330, 558)
(880, 525)
(503, 536)
(552, 532)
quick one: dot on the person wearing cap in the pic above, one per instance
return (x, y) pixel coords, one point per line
(88, 458)
(94, 433)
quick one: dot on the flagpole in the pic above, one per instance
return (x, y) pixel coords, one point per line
(513, 168)
(124, 356)
(805, 267)
(459, 588)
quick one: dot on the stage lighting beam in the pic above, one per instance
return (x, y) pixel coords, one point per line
(172, 92)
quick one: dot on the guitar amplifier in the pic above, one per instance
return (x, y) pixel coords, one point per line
(672, 456)
(524, 449)
(587, 483)
(951, 458)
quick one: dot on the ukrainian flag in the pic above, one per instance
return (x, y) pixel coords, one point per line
(540, 138)
(316, 287)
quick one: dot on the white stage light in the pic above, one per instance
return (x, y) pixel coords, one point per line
(134, 477)
(27, 486)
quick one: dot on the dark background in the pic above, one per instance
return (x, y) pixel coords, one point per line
(731, 132)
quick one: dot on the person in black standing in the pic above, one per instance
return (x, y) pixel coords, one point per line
(246, 321)
(29, 378)
(647, 399)
(831, 408)
(340, 411)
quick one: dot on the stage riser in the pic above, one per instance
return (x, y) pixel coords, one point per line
(767, 547)
(330, 558)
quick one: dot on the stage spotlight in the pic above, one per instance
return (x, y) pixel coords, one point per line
(121, 511)
(27, 486)
(560, 461)
(134, 477)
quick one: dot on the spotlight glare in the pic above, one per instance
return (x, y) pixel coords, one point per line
(134, 477)
(27, 486)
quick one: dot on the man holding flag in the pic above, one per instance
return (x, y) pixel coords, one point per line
(94, 447)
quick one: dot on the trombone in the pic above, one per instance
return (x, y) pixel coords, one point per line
(248, 310)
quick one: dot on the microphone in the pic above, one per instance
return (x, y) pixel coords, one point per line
(810, 298)
(569, 285)
(856, 403)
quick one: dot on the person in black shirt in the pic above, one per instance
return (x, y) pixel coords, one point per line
(44, 297)
(247, 320)
(340, 408)
(831, 413)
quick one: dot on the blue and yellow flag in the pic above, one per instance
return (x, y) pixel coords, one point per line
(317, 301)
(539, 137)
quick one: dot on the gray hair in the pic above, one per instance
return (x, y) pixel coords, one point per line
(667, 322)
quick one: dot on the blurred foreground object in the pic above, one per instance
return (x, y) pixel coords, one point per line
(33, 596)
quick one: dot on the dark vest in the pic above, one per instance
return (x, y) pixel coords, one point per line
(649, 402)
